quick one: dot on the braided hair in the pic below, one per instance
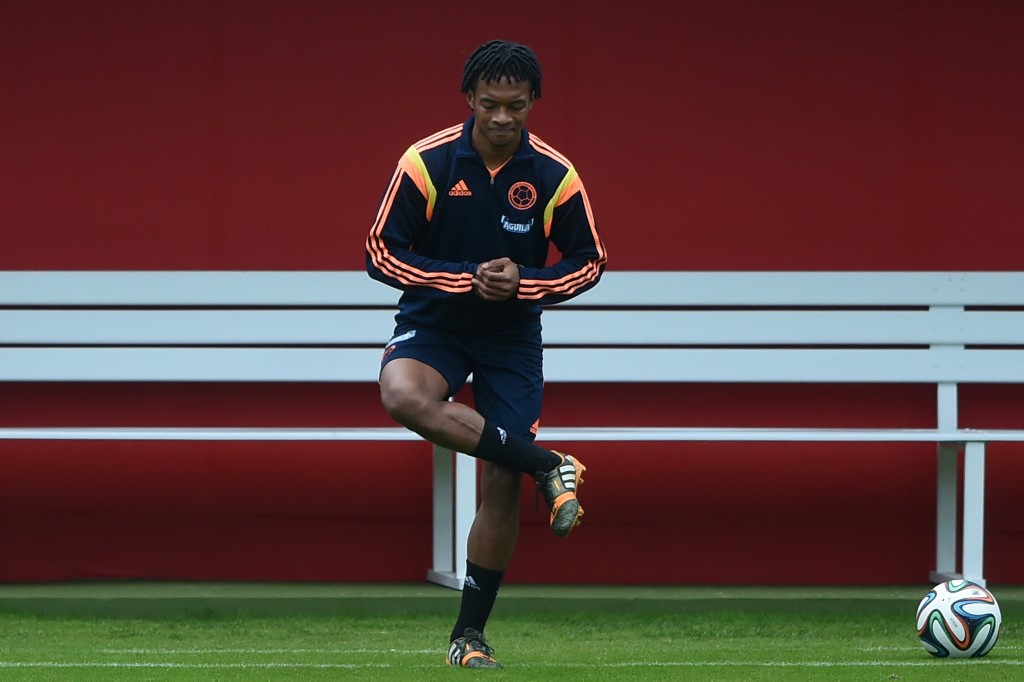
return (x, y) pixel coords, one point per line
(500, 59)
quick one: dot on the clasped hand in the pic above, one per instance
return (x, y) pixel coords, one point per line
(496, 280)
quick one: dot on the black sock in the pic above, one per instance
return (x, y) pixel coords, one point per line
(498, 446)
(478, 595)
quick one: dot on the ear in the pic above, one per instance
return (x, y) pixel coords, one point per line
(470, 96)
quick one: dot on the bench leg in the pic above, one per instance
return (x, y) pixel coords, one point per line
(972, 549)
(454, 509)
(945, 514)
(974, 513)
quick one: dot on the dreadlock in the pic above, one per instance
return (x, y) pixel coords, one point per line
(499, 59)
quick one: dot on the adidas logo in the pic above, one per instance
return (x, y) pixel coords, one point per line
(460, 189)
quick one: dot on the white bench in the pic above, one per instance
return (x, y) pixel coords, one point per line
(938, 328)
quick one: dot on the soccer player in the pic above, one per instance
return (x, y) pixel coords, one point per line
(463, 231)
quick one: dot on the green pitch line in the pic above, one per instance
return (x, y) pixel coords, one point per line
(130, 598)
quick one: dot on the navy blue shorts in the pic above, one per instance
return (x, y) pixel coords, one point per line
(508, 373)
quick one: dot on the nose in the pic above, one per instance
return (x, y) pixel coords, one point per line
(502, 116)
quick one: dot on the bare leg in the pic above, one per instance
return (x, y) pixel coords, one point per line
(415, 395)
(492, 538)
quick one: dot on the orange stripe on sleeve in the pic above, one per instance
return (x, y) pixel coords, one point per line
(401, 271)
(534, 289)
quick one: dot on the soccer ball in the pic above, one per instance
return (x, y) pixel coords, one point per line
(958, 619)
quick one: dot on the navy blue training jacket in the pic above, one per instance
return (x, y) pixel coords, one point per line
(444, 212)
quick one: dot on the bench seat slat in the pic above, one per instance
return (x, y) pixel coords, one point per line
(566, 434)
(209, 434)
(749, 434)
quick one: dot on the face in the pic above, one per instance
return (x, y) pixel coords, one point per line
(500, 109)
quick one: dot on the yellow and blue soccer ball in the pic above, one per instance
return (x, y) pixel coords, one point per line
(958, 619)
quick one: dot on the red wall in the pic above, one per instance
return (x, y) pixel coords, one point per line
(223, 134)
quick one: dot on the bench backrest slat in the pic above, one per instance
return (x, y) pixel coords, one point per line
(560, 364)
(219, 327)
(850, 289)
(622, 288)
(782, 327)
(582, 327)
(190, 364)
(199, 288)
(784, 365)
(692, 326)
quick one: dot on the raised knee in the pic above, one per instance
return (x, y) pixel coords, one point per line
(405, 407)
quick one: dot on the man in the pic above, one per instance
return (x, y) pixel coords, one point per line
(463, 230)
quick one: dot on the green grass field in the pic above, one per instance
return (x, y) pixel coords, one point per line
(130, 631)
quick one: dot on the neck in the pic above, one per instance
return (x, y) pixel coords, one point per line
(495, 162)
(493, 157)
